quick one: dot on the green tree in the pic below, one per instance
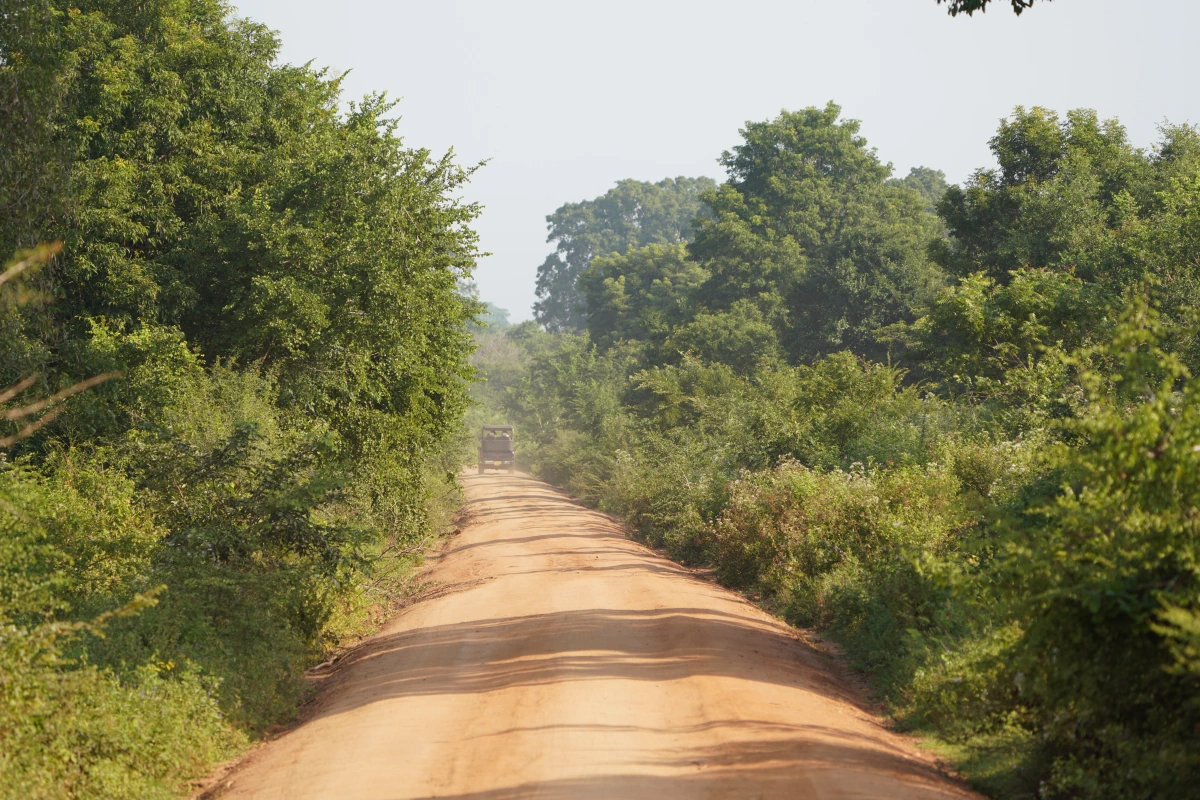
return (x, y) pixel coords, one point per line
(929, 183)
(32, 170)
(1074, 196)
(1089, 586)
(1062, 188)
(630, 215)
(641, 295)
(276, 279)
(218, 193)
(808, 228)
(739, 336)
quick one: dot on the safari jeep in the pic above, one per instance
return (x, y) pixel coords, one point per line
(496, 448)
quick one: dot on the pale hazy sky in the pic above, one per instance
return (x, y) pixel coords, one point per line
(565, 98)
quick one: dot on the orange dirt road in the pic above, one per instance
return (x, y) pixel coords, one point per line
(565, 661)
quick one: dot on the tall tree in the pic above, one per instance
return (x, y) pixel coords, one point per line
(631, 214)
(641, 295)
(273, 273)
(809, 228)
(929, 183)
(1062, 188)
(1073, 198)
(215, 192)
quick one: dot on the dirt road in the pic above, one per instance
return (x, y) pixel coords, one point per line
(568, 662)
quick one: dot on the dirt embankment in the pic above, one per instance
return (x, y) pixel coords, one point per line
(565, 661)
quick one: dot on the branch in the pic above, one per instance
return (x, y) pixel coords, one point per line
(57, 397)
(17, 388)
(50, 402)
(41, 255)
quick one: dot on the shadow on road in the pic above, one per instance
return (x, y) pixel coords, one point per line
(780, 768)
(595, 644)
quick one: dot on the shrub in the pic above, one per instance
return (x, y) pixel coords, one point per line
(844, 551)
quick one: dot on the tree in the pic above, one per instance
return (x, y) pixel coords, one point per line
(1074, 195)
(739, 336)
(632, 214)
(1051, 198)
(1100, 584)
(809, 228)
(641, 295)
(32, 170)
(216, 193)
(275, 275)
(929, 183)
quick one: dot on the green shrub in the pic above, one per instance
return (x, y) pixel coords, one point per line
(843, 551)
(83, 733)
(69, 728)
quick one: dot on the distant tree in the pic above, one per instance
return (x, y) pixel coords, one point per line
(641, 295)
(969, 7)
(494, 317)
(740, 336)
(484, 314)
(632, 214)
(929, 183)
(810, 229)
(1064, 192)
(1044, 246)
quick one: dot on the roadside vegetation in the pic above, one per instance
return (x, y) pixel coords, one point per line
(233, 372)
(954, 427)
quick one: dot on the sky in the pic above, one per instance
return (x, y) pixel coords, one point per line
(563, 99)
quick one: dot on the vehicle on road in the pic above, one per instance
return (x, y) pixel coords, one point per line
(496, 449)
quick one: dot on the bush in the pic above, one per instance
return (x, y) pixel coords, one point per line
(843, 551)
(1089, 593)
(69, 728)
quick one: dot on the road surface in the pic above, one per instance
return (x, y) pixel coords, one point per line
(564, 661)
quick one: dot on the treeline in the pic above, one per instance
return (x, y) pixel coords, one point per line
(263, 288)
(955, 427)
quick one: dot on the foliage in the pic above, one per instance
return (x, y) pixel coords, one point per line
(929, 183)
(842, 550)
(641, 295)
(997, 522)
(969, 7)
(631, 214)
(1064, 191)
(1086, 638)
(32, 174)
(494, 317)
(810, 230)
(234, 398)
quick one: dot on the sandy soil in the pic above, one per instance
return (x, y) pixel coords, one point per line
(564, 661)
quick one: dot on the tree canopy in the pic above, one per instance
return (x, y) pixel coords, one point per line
(809, 229)
(631, 214)
(217, 193)
(955, 426)
(810, 237)
(258, 286)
